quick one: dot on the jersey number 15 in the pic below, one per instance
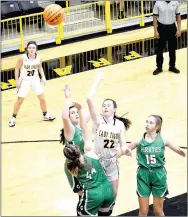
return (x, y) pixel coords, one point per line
(151, 159)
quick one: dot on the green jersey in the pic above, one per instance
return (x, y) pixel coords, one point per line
(151, 155)
(78, 139)
(93, 175)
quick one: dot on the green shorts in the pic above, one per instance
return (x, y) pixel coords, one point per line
(152, 181)
(96, 199)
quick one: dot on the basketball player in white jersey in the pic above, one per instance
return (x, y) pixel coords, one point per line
(30, 65)
(109, 134)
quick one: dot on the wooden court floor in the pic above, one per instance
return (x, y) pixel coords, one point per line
(33, 180)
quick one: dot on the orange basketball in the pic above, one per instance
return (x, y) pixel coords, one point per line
(53, 14)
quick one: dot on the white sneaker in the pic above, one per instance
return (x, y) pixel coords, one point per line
(48, 117)
(12, 122)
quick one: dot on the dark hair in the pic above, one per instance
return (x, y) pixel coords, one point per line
(32, 42)
(113, 101)
(62, 136)
(72, 106)
(159, 121)
(125, 121)
(72, 153)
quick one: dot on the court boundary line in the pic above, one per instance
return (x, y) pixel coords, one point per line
(32, 141)
(50, 140)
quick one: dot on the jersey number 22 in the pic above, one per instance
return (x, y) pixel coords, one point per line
(108, 143)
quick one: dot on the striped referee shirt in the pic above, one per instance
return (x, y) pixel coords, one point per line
(166, 11)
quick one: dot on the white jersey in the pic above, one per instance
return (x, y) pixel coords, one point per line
(30, 67)
(106, 138)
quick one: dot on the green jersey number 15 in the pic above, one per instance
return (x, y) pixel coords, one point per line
(150, 159)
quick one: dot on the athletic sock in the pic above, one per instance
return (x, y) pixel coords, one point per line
(44, 113)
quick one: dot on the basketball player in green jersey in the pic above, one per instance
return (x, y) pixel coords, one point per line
(97, 194)
(71, 134)
(151, 174)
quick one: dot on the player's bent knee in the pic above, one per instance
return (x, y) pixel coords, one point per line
(20, 100)
(158, 212)
(143, 211)
(41, 98)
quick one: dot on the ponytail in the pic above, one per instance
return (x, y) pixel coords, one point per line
(62, 137)
(72, 166)
(72, 153)
(126, 122)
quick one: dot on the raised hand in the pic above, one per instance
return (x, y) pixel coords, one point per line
(77, 105)
(67, 91)
(128, 152)
(100, 75)
(181, 152)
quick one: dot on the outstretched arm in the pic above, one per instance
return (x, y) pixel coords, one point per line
(83, 125)
(91, 104)
(87, 115)
(133, 145)
(175, 148)
(123, 145)
(67, 125)
(83, 122)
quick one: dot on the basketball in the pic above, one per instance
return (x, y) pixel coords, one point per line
(53, 14)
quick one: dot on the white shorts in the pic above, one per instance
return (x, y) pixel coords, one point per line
(111, 169)
(25, 86)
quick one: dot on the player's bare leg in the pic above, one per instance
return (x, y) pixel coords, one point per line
(46, 116)
(16, 109)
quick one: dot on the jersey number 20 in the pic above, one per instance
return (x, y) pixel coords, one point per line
(30, 73)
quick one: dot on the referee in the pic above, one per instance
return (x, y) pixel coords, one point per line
(165, 15)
